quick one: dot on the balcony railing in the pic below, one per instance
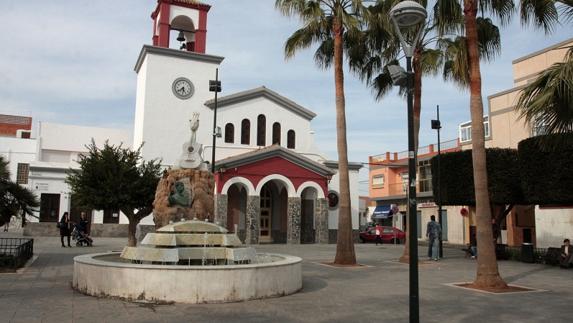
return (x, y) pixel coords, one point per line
(424, 150)
(424, 185)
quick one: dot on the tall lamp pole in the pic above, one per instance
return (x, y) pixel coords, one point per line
(409, 14)
(214, 86)
(437, 125)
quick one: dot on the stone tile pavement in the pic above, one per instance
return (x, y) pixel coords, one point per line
(377, 293)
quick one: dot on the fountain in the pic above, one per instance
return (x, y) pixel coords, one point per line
(187, 261)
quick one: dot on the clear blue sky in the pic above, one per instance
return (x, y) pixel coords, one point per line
(72, 62)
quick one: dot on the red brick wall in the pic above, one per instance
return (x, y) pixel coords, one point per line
(10, 124)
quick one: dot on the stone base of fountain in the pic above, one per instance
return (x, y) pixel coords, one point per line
(188, 262)
(105, 275)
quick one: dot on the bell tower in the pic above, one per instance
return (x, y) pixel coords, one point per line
(173, 82)
(187, 17)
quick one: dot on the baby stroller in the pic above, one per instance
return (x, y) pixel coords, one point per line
(80, 237)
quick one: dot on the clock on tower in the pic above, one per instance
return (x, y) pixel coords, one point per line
(173, 82)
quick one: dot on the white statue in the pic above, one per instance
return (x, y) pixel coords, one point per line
(192, 150)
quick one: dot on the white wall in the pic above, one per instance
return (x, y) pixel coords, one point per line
(273, 112)
(165, 117)
(552, 226)
(17, 150)
(59, 146)
(334, 185)
(70, 138)
(50, 181)
(193, 14)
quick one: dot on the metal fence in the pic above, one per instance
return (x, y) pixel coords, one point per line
(14, 252)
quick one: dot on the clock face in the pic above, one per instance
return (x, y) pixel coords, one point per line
(183, 88)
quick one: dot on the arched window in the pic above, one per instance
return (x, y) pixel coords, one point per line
(276, 133)
(229, 133)
(261, 130)
(245, 132)
(291, 139)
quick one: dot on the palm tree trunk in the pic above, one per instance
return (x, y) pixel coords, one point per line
(417, 65)
(344, 244)
(487, 275)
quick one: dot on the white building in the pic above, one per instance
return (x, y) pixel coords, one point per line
(270, 177)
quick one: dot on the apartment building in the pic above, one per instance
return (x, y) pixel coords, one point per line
(388, 186)
(539, 225)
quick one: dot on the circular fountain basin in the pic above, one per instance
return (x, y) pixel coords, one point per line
(108, 275)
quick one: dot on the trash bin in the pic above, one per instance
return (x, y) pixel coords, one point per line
(527, 253)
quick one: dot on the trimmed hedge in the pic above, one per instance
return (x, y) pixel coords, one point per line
(457, 182)
(546, 164)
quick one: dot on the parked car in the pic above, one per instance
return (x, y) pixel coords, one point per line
(389, 235)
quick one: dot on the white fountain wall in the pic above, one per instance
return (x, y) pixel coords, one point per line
(187, 284)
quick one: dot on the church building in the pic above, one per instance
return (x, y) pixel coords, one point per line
(272, 183)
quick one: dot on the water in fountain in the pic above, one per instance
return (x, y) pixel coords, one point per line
(191, 243)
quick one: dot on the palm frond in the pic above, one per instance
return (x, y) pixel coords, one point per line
(448, 16)
(565, 7)
(501, 9)
(540, 13)
(489, 40)
(549, 99)
(431, 61)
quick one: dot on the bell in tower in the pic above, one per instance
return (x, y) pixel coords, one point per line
(188, 18)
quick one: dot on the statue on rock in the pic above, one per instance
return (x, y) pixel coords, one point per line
(186, 192)
(180, 195)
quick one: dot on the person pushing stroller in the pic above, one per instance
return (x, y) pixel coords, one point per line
(81, 231)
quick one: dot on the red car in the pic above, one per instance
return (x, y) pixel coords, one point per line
(389, 235)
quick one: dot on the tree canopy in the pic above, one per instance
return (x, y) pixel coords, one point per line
(546, 169)
(115, 177)
(456, 177)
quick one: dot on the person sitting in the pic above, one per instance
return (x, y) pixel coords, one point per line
(566, 254)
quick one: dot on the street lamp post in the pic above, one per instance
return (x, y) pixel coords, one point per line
(214, 86)
(437, 125)
(409, 14)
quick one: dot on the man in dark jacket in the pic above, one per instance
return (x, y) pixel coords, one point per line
(566, 254)
(433, 233)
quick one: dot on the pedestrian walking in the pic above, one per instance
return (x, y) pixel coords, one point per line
(379, 234)
(65, 231)
(433, 233)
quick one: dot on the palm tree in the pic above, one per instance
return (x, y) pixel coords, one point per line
(331, 24)
(434, 52)
(14, 199)
(540, 13)
(381, 48)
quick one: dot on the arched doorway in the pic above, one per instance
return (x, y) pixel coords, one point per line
(307, 208)
(237, 210)
(273, 218)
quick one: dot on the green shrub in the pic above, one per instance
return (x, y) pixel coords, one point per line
(456, 177)
(546, 166)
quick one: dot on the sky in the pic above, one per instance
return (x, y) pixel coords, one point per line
(72, 62)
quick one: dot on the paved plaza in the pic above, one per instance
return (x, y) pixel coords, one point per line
(377, 292)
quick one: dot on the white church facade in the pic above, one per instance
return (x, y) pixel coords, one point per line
(272, 182)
